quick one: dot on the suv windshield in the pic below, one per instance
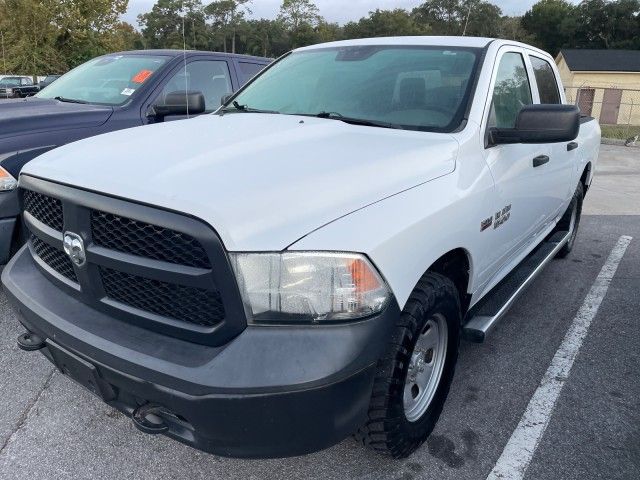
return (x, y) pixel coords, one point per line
(108, 80)
(416, 88)
(9, 82)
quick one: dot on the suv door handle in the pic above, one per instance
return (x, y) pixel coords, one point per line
(540, 160)
(572, 146)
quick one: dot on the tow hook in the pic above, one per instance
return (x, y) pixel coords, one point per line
(30, 342)
(147, 419)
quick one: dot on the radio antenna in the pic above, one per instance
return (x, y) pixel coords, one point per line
(184, 59)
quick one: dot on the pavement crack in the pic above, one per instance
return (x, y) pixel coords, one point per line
(25, 414)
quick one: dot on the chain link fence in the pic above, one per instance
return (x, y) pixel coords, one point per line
(617, 109)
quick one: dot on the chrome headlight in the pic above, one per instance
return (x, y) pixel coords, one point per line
(309, 287)
(8, 91)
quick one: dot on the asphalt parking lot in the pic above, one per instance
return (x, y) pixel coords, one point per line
(50, 428)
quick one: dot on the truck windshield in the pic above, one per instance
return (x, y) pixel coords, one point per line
(414, 88)
(108, 80)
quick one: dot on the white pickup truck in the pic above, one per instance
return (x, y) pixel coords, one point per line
(301, 265)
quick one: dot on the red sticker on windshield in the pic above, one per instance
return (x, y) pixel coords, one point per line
(142, 76)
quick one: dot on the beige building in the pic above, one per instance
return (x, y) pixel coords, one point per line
(604, 83)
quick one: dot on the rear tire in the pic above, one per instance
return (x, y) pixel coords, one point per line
(414, 375)
(570, 221)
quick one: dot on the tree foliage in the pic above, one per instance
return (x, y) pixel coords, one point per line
(384, 23)
(227, 17)
(50, 36)
(163, 26)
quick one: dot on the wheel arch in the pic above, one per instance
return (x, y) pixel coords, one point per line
(457, 266)
(586, 176)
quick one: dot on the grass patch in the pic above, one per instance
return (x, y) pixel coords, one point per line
(621, 132)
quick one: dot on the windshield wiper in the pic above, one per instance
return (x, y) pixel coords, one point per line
(70, 100)
(355, 121)
(237, 107)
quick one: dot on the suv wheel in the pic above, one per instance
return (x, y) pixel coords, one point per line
(414, 375)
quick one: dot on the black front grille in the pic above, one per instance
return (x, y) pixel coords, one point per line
(145, 240)
(153, 268)
(188, 304)
(44, 208)
(56, 259)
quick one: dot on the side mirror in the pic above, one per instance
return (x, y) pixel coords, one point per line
(181, 103)
(226, 98)
(540, 124)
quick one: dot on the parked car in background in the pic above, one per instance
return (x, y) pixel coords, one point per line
(302, 265)
(48, 80)
(111, 92)
(17, 87)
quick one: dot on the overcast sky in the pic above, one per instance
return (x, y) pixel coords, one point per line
(340, 11)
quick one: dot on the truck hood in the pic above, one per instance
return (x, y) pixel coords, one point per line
(40, 114)
(262, 181)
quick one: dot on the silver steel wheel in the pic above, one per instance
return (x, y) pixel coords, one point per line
(425, 367)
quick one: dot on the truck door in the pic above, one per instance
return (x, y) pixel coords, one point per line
(562, 164)
(519, 211)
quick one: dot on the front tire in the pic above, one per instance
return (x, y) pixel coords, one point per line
(570, 221)
(414, 375)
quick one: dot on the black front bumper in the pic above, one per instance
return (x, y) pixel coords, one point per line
(270, 392)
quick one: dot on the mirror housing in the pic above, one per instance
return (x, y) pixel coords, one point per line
(181, 103)
(226, 98)
(540, 124)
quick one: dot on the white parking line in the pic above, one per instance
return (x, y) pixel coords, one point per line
(521, 447)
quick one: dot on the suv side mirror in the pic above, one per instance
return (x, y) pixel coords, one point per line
(226, 98)
(540, 124)
(181, 103)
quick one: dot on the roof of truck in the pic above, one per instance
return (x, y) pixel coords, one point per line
(476, 42)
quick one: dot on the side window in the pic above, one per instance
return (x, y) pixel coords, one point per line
(546, 80)
(512, 91)
(249, 70)
(211, 77)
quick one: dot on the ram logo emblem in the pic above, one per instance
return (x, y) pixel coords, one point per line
(74, 248)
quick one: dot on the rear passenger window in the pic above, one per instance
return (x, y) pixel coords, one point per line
(512, 91)
(249, 70)
(546, 80)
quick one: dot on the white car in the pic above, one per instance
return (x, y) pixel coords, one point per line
(302, 264)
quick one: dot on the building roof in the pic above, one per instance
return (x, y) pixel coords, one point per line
(592, 60)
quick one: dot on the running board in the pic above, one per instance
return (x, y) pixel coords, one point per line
(492, 308)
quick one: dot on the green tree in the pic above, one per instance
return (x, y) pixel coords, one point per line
(296, 13)
(227, 16)
(50, 36)
(511, 29)
(300, 17)
(552, 24)
(266, 38)
(482, 19)
(329, 32)
(602, 24)
(459, 17)
(162, 27)
(383, 23)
